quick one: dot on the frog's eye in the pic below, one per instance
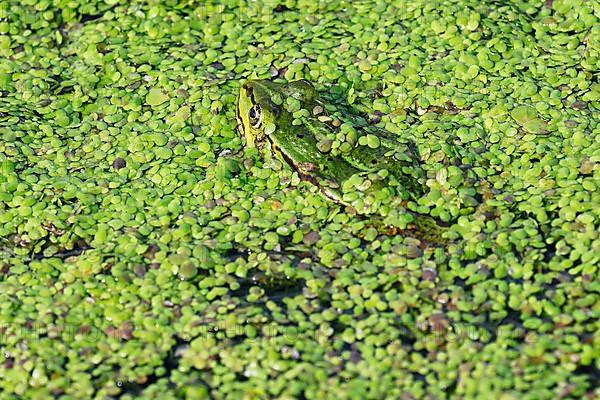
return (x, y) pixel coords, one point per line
(255, 116)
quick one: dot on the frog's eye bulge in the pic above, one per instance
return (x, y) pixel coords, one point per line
(255, 116)
(301, 90)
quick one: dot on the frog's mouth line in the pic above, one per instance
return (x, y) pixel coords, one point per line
(240, 127)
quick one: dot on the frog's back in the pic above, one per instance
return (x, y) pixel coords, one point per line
(401, 162)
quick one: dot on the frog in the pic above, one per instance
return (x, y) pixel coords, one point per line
(368, 169)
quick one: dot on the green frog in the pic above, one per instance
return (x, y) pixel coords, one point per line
(351, 161)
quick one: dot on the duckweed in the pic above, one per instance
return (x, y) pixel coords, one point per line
(146, 252)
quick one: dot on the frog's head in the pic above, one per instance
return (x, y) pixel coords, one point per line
(256, 109)
(261, 102)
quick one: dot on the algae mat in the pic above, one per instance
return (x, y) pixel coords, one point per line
(145, 252)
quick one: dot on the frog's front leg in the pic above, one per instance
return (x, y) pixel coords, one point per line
(272, 158)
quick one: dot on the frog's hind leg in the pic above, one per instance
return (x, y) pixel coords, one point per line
(424, 228)
(428, 230)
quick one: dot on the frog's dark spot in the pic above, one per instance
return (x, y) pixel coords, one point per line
(300, 135)
(373, 161)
